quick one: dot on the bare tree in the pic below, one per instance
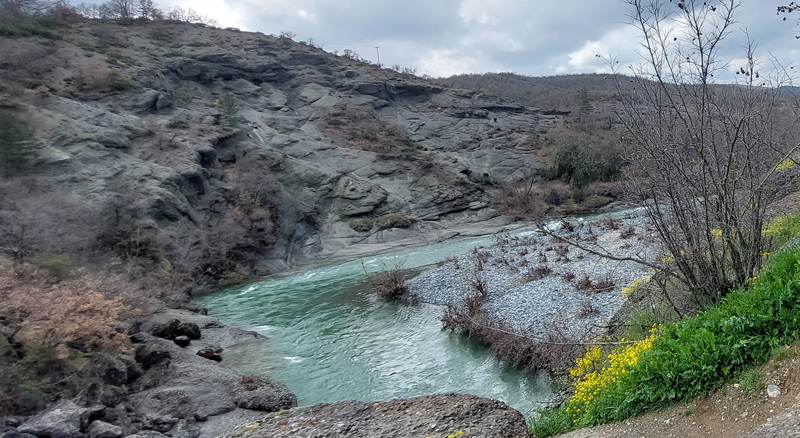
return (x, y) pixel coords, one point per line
(88, 10)
(23, 8)
(147, 10)
(189, 15)
(706, 159)
(119, 10)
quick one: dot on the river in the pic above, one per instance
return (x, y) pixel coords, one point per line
(331, 340)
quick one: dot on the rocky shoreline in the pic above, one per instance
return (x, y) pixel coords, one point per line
(536, 283)
(173, 385)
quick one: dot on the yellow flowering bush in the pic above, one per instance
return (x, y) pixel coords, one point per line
(592, 375)
(784, 165)
(455, 434)
(635, 283)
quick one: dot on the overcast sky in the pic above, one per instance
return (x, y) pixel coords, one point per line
(446, 37)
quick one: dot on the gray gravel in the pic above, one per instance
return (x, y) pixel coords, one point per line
(536, 306)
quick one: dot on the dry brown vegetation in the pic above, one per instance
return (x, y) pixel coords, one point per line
(555, 352)
(53, 333)
(390, 284)
(81, 313)
(358, 128)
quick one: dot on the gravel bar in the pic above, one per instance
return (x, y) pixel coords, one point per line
(534, 281)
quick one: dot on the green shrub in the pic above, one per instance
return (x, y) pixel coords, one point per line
(227, 108)
(133, 240)
(58, 266)
(362, 225)
(394, 220)
(118, 81)
(780, 230)
(578, 195)
(34, 84)
(16, 147)
(783, 352)
(700, 353)
(551, 422)
(29, 26)
(28, 383)
(325, 69)
(578, 163)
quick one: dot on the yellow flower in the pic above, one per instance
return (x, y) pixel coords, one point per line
(784, 165)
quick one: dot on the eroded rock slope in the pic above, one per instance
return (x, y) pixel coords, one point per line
(187, 130)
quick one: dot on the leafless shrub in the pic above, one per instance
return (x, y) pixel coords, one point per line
(390, 284)
(603, 285)
(34, 219)
(359, 128)
(481, 256)
(480, 287)
(518, 199)
(566, 226)
(707, 157)
(628, 232)
(81, 313)
(556, 352)
(587, 309)
(568, 276)
(538, 273)
(609, 223)
(522, 252)
(585, 283)
(523, 263)
(562, 250)
(556, 193)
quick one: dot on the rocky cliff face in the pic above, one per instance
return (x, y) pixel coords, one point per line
(267, 151)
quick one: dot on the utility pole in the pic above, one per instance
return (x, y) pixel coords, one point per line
(379, 55)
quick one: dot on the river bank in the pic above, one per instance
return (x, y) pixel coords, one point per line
(536, 283)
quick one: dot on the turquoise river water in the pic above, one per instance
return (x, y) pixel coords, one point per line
(330, 340)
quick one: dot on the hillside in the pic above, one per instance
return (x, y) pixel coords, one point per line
(555, 93)
(224, 153)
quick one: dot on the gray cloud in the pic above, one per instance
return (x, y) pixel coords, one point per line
(443, 37)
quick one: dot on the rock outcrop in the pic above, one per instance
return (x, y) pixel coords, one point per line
(316, 139)
(435, 415)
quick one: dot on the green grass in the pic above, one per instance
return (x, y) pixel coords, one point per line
(783, 229)
(783, 353)
(751, 381)
(700, 353)
(362, 225)
(551, 422)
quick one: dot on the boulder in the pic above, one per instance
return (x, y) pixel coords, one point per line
(111, 370)
(150, 356)
(147, 434)
(434, 415)
(182, 341)
(209, 353)
(101, 429)
(174, 328)
(189, 329)
(15, 434)
(264, 394)
(62, 420)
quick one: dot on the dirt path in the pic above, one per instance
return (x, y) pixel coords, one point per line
(725, 413)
